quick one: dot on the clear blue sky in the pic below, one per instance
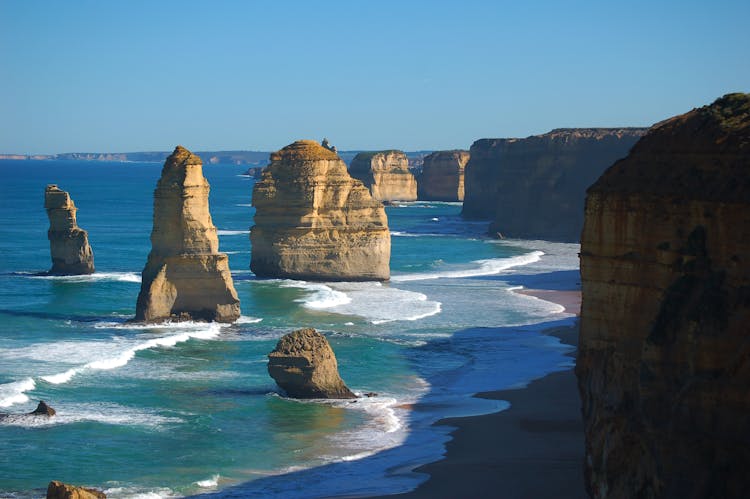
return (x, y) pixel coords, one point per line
(146, 75)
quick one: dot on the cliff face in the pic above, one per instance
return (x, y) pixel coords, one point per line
(185, 276)
(314, 221)
(442, 177)
(68, 243)
(386, 174)
(535, 187)
(664, 361)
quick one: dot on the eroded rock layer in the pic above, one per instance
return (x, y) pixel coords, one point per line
(68, 243)
(534, 188)
(313, 221)
(386, 174)
(664, 353)
(185, 276)
(442, 177)
(304, 366)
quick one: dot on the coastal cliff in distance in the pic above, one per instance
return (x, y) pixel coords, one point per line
(664, 351)
(442, 177)
(69, 244)
(386, 174)
(534, 188)
(315, 222)
(185, 276)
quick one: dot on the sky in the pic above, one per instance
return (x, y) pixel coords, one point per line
(101, 76)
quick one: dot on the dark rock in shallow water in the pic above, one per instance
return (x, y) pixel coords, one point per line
(304, 366)
(43, 410)
(59, 490)
(69, 244)
(664, 356)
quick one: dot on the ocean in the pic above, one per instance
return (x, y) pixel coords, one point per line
(184, 409)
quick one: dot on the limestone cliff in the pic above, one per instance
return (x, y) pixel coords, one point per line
(304, 365)
(313, 221)
(664, 362)
(68, 243)
(535, 187)
(185, 276)
(442, 177)
(386, 174)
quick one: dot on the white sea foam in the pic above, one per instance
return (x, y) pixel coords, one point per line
(95, 277)
(209, 482)
(489, 266)
(244, 319)
(121, 358)
(14, 392)
(140, 493)
(221, 232)
(370, 300)
(105, 413)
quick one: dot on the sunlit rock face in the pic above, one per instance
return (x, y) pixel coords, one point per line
(442, 177)
(185, 278)
(386, 174)
(664, 352)
(69, 244)
(313, 221)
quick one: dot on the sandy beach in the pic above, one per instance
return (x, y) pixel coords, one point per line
(532, 450)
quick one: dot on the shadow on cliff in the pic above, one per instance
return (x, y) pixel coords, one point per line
(395, 470)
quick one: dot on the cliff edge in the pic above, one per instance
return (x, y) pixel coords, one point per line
(664, 352)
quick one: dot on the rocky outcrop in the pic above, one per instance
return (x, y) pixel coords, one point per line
(442, 177)
(42, 409)
(185, 276)
(314, 222)
(68, 243)
(664, 361)
(304, 366)
(386, 174)
(534, 188)
(59, 490)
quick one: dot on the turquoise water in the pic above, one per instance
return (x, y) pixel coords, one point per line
(186, 409)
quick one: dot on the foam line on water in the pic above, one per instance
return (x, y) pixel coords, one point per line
(95, 277)
(321, 296)
(15, 392)
(210, 331)
(221, 232)
(489, 266)
(209, 482)
(104, 413)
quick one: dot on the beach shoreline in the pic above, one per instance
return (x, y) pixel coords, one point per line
(533, 449)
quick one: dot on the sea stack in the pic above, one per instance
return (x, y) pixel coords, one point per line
(664, 358)
(304, 366)
(59, 490)
(185, 276)
(68, 243)
(386, 174)
(534, 188)
(315, 222)
(442, 177)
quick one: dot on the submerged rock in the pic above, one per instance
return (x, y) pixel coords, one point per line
(386, 174)
(315, 222)
(664, 363)
(534, 188)
(69, 244)
(59, 490)
(304, 366)
(42, 409)
(185, 276)
(442, 177)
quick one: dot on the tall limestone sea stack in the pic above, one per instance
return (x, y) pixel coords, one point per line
(68, 243)
(442, 177)
(185, 276)
(664, 351)
(315, 222)
(386, 174)
(534, 188)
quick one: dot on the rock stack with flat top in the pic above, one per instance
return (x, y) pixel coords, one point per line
(304, 366)
(185, 276)
(386, 174)
(68, 243)
(315, 222)
(442, 177)
(664, 352)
